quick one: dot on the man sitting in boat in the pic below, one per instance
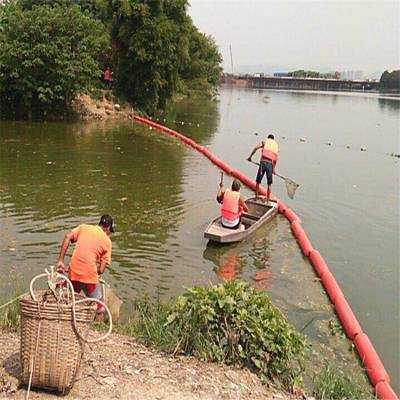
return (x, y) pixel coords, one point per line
(269, 158)
(233, 205)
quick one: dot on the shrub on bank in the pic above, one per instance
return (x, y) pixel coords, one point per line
(231, 323)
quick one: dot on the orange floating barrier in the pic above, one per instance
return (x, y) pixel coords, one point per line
(291, 215)
(224, 166)
(192, 143)
(301, 236)
(319, 263)
(348, 319)
(385, 391)
(331, 286)
(282, 207)
(373, 364)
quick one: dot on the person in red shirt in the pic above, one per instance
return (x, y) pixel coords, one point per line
(91, 255)
(107, 77)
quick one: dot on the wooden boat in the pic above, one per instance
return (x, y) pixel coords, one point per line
(259, 214)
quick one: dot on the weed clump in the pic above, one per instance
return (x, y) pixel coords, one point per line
(10, 317)
(231, 323)
(331, 383)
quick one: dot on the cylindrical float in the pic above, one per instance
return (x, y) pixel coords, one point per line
(302, 238)
(385, 391)
(319, 263)
(282, 207)
(222, 165)
(291, 215)
(349, 321)
(369, 357)
(332, 287)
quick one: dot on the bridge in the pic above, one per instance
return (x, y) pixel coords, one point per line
(272, 82)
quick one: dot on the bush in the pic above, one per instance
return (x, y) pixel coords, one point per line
(47, 56)
(231, 323)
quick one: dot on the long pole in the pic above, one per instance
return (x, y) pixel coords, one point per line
(230, 50)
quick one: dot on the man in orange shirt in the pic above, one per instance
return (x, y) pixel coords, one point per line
(91, 255)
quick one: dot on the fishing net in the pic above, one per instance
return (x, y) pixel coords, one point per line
(291, 187)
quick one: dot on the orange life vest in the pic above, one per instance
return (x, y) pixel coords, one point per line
(230, 205)
(270, 150)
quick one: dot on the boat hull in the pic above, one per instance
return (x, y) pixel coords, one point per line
(258, 215)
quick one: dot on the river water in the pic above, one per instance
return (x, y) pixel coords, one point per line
(162, 195)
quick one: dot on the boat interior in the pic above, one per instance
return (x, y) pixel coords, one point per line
(256, 211)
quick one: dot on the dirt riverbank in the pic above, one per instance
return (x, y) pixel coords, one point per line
(120, 368)
(101, 108)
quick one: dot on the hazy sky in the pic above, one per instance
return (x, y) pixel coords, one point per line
(338, 35)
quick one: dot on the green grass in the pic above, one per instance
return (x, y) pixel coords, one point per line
(332, 384)
(10, 317)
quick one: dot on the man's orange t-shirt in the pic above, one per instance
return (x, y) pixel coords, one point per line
(92, 245)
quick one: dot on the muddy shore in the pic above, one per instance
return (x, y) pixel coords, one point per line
(120, 368)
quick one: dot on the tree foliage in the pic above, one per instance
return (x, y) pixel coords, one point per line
(159, 51)
(301, 73)
(204, 70)
(52, 50)
(390, 80)
(47, 55)
(151, 41)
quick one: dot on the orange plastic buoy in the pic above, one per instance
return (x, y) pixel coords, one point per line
(301, 236)
(291, 215)
(331, 286)
(348, 319)
(319, 263)
(385, 391)
(282, 207)
(369, 357)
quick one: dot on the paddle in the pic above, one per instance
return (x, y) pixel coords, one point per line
(221, 182)
(291, 186)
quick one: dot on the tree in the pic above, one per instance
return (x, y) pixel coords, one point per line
(47, 56)
(151, 42)
(390, 80)
(203, 71)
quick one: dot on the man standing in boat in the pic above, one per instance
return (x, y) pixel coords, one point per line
(232, 205)
(269, 158)
(89, 260)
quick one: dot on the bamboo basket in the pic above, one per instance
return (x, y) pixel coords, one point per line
(51, 342)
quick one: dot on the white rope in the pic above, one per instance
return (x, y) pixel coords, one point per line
(52, 278)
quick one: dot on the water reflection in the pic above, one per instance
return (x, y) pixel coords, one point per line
(198, 120)
(389, 104)
(56, 176)
(228, 264)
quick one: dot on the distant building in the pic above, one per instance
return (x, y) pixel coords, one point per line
(280, 74)
(351, 75)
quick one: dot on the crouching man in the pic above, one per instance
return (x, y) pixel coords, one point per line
(91, 255)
